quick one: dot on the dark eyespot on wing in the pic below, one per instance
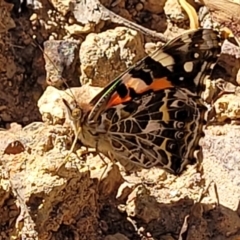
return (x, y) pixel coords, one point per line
(172, 146)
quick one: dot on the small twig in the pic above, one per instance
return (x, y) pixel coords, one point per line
(93, 11)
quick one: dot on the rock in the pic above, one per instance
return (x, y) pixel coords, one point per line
(139, 6)
(105, 55)
(11, 68)
(117, 236)
(238, 77)
(110, 180)
(196, 227)
(154, 6)
(78, 30)
(61, 6)
(227, 108)
(39, 193)
(39, 202)
(124, 190)
(52, 108)
(228, 63)
(141, 205)
(61, 57)
(158, 22)
(151, 47)
(5, 17)
(52, 111)
(173, 10)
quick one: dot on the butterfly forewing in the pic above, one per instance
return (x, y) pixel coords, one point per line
(182, 62)
(156, 129)
(153, 114)
(189, 58)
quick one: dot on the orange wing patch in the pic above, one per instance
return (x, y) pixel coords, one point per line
(139, 87)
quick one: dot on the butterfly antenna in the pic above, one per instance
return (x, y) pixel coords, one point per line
(74, 113)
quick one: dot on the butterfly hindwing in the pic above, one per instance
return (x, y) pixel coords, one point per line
(156, 129)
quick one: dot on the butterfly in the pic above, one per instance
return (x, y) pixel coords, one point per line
(153, 114)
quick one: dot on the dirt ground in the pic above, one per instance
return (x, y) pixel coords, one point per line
(42, 196)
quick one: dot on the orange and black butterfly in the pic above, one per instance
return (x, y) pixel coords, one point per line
(154, 114)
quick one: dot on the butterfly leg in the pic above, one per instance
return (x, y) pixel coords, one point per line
(74, 143)
(104, 162)
(76, 131)
(104, 170)
(74, 116)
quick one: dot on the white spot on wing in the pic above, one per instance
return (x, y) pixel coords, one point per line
(165, 59)
(152, 126)
(126, 76)
(196, 55)
(188, 66)
(212, 66)
(137, 83)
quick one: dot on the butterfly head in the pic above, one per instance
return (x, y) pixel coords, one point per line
(77, 116)
(74, 114)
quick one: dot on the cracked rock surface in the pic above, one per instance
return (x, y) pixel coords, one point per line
(43, 196)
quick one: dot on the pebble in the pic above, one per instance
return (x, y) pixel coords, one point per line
(27, 40)
(139, 7)
(49, 12)
(174, 193)
(134, 13)
(25, 119)
(115, 3)
(34, 23)
(71, 20)
(33, 17)
(51, 37)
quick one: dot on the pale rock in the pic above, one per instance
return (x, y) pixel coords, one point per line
(228, 108)
(51, 105)
(61, 6)
(105, 55)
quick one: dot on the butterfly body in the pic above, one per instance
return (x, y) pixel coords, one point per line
(153, 114)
